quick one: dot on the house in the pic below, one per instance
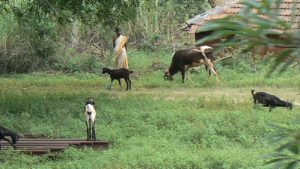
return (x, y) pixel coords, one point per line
(288, 11)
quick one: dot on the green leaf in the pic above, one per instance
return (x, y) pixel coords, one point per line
(294, 148)
(284, 146)
(292, 165)
(279, 59)
(276, 160)
(251, 4)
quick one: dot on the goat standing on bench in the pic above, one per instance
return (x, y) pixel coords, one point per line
(14, 136)
(90, 114)
(118, 74)
(268, 100)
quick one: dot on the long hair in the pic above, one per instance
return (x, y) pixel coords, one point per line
(118, 31)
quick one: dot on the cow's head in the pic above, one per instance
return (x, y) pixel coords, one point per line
(168, 76)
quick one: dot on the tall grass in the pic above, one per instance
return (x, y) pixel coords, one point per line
(154, 130)
(159, 124)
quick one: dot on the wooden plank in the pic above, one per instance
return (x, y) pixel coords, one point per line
(42, 146)
(40, 151)
(56, 141)
(38, 146)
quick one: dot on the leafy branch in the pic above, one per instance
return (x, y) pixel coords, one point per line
(257, 25)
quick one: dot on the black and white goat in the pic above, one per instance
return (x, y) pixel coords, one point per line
(118, 74)
(268, 100)
(184, 59)
(14, 136)
(90, 115)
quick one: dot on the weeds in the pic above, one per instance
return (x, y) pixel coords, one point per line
(158, 124)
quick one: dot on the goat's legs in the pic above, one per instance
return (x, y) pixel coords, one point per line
(129, 82)
(88, 130)
(119, 82)
(5, 139)
(271, 107)
(109, 86)
(93, 132)
(127, 85)
(255, 102)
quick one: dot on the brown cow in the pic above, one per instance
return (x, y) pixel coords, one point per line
(184, 59)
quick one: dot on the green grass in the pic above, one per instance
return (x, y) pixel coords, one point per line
(158, 124)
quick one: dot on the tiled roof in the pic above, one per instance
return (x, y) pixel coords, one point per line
(286, 9)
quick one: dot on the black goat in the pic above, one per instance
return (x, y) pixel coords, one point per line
(118, 74)
(14, 136)
(184, 59)
(268, 100)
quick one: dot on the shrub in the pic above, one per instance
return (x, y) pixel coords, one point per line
(26, 46)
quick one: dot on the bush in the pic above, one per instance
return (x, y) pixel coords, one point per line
(79, 63)
(26, 46)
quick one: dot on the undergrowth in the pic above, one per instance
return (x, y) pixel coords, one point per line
(159, 124)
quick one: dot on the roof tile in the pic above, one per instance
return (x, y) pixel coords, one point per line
(286, 10)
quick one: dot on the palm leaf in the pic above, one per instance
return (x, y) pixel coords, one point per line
(292, 165)
(277, 160)
(254, 30)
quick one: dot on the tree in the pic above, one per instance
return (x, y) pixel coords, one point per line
(104, 11)
(31, 38)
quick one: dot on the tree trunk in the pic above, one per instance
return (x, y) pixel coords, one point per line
(75, 33)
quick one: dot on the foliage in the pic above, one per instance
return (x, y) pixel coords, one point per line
(208, 127)
(253, 31)
(35, 34)
(287, 154)
(26, 47)
(157, 125)
(163, 19)
(79, 63)
(106, 11)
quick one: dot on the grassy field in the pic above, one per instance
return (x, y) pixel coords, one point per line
(159, 124)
